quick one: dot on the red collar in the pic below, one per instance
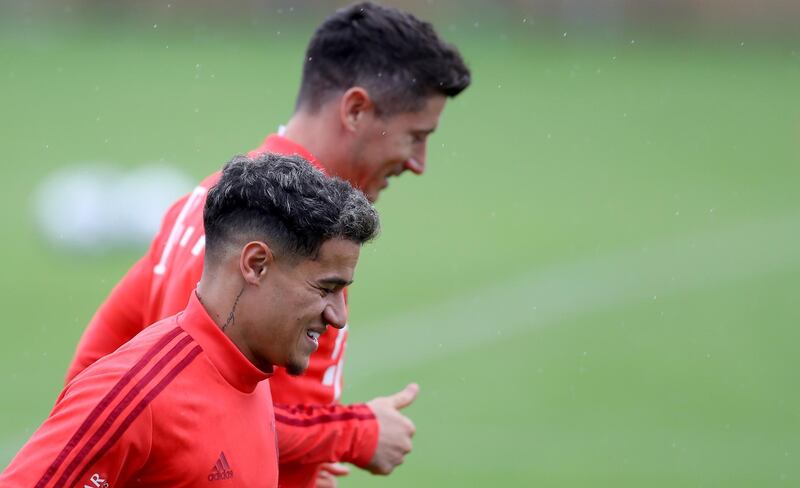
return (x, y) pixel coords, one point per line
(278, 144)
(220, 350)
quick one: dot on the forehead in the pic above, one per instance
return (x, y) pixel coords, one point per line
(336, 258)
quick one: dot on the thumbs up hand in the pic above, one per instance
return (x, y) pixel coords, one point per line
(396, 430)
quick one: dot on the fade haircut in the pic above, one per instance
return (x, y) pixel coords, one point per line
(286, 202)
(398, 58)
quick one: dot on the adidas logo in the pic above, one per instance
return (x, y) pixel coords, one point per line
(221, 469)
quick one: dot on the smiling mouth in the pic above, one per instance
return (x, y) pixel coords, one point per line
(313, 335)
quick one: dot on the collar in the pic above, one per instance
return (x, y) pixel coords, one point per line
(278, 144)
(220, 350)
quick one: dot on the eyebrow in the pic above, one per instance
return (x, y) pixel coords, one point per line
(336, 281)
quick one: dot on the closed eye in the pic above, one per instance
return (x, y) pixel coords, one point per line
(325, 291)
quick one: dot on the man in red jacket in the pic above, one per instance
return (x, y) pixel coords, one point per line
(184, 403)
(375, 81)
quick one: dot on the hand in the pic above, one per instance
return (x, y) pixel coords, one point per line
(326, 478)
(396, 430)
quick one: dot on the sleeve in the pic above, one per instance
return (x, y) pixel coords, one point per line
(312, 434)
(117, 320)
(82, 444)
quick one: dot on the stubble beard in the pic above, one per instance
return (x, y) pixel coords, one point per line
(296, 368)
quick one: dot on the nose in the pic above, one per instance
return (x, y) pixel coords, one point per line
(416, 163)
(335, 313)
(415, 166)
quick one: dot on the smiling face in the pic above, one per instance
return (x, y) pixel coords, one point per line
(294, 302)
(388, 146)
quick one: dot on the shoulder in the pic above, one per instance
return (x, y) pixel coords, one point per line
(140, 363)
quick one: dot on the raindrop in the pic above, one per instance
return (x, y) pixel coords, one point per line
(564, 35)
(155, 26)
(524, 21)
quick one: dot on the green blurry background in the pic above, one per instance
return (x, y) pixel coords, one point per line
(595, 283)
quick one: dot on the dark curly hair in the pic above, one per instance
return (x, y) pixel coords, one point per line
(286, 202)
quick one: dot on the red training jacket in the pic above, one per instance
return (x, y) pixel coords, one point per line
(160, 284)
(177, 406)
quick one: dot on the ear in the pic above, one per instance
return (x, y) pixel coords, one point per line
(254, 260)
(354, 105)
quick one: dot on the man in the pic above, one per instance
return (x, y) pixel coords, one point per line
(375, 81)
(184, 403)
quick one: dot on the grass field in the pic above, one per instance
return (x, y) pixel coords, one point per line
(595, 284)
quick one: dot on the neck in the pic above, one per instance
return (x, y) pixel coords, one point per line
(320, 133)
(220, 301)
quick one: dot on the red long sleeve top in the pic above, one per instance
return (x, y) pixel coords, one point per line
(312, 426)
(177, 406)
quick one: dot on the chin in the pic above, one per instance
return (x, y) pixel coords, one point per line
(372, 196)
(296, 368)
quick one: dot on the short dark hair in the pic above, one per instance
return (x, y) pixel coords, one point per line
(286, 202)
(398, 58)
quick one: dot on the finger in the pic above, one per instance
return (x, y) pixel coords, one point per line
(325, 480)
(405, 397)
(412, 429)
(336, 469)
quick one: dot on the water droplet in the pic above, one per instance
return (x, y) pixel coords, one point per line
(155, 26)
(564, 35)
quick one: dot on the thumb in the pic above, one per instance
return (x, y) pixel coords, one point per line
(405, 397)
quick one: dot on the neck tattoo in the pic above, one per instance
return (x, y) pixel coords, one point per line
(231, 317)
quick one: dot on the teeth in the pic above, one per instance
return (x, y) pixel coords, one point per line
(313, 335)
